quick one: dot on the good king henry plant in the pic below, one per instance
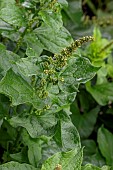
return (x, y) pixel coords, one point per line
(40, 72)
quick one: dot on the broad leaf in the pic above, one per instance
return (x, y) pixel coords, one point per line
(92, 154)
(105, 142)
(21, 156)
(84, 122)
(15, 165)
(6, 138)
(66, 135)
(7, 59)
(60, 37)
(12, 13)
(4, 107)
(102, 93)
(80, 68)
(27, 66)
(34, 46)
(16, 88)
(19, 91)
(35, 125)
(5, 26)
(34, 148)
(68, 160)
(64, 3)
(74, 12)
(72, 19)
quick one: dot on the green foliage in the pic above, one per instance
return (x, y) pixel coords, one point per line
(41, 73)
(100, 53)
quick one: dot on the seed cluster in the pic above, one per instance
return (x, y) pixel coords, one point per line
(103, 22)
(58, 167)
(52, 5)
(60, 60)
(39, 112)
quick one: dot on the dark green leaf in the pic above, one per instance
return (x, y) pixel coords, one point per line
(74, 11)
(102, 93)
(34, 148)
(4, 106)
(105, 139)
(20, 157)
(92, 154)
(85, 122)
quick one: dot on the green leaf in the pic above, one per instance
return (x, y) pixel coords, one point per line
(13, 36)
(35, 125)
(52, 25)
(102, 93)
(68, 160)
(74, 12)
(56, 42)
(91, 167)
(72, 19)
(80, 68)
(27, 66)
(105, 143)
(63, 99)
(66, 135)
(34, 148)
(4, 106)
(5, 26)
(34, 46)
(84, 122)
(15, 165)
(97, 34)
(12, 13)
(7, 59)
(20, 156)
(16, 88)
(19, 91)
(5, 138)
(52, 19)
(92, 154)
(64, 3)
